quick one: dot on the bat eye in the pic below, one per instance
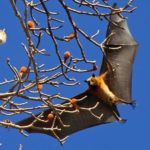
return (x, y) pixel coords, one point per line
(93, 75)
(85, 81)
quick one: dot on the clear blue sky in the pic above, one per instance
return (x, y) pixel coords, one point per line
(135, 134)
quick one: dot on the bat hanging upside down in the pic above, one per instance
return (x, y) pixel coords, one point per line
(99, 88)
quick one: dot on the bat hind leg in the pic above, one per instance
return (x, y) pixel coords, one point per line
(132, 103)
(121, 120)
(117, 115)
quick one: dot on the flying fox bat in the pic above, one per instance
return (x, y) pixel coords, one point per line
(90, 110)
(99, 88)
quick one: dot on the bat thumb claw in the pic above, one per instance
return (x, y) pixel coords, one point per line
(62, 141)
(122, 120)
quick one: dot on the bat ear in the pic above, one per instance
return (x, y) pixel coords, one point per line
(93, 75)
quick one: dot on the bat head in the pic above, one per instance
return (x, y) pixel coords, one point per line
(92, 81)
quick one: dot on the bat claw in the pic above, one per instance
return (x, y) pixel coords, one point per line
(62, 141)
(133, 104)
(122, 120)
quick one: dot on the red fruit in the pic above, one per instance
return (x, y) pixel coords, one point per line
(31, 24)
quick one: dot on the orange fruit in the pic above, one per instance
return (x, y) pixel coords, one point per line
(31, 24)
(71, 35)
(39, 87)
(50, 117)
(73, 101)
(23, 69)
(66, 55)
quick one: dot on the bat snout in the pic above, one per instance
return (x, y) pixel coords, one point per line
(86, 81)
(90, 83)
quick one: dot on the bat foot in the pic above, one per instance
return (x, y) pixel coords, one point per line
(133, 104)
(122, 120)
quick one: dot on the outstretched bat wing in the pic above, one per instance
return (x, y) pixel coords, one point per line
(120, 49)
(91, 112)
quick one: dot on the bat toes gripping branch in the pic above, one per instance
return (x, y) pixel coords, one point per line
(133, 104)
